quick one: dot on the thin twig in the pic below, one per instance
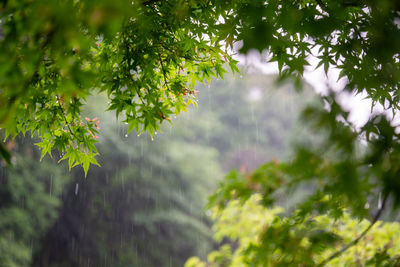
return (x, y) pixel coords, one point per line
(182, 56)
(66, 121)
(129, 74)
(137, 90)
(164, 72)
(355, 241)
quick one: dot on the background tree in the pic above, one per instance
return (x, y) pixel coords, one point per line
(29, 202)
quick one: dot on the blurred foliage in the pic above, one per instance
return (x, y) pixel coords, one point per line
(29, 202)
(257, 236)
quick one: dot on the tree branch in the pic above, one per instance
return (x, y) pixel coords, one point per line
(355, 241)
(66, 121)
(164, 72)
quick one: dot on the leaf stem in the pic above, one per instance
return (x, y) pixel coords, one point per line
(355, 241)
(164, 72)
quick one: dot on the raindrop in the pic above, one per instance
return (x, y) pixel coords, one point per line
(51, 184)
(76, 188)
(31, 245)
(155, 133)
(380, 201)
(126, 135)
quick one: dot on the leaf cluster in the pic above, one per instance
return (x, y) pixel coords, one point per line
(147, 56)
